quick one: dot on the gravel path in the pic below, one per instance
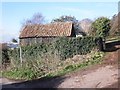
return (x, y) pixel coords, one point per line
(101, 77)
(98, 78)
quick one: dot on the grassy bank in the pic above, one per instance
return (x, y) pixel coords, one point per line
(32, 71)
(96, 58)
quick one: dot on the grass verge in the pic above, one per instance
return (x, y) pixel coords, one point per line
(95, 59)
(29, 73)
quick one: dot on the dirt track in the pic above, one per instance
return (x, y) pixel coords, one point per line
(97, 76)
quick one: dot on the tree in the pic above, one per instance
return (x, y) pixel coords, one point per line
(70, 19)
(37, 18)
(115, 28)
(65, 18)
(101, 27)
(14, 40)
(86, 25)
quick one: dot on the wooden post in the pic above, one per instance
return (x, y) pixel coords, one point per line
(104, 45)
(21, 56)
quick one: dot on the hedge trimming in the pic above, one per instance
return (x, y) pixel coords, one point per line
(64, 47)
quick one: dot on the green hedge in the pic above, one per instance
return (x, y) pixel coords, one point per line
(69, 47)
(64, 47)
(42, 59)
(4, 56)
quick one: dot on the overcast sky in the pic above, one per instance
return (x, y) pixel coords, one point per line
(14, 13)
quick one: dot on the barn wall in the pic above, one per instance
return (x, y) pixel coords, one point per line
(31, 41)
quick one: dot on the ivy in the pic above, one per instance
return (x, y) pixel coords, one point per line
(66, 48)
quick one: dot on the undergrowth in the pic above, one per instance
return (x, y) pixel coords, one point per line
(96, 58)
(29, 71)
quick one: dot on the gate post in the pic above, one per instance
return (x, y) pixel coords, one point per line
(100, 44)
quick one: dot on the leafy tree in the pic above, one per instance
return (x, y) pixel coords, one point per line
(70, 19)
(37, 18)
(101, 27)
(65, 18)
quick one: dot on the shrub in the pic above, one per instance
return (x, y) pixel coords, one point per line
(101, 27)
(63, 48)
(69, 47)
(4, 56)
(41, 59)
(22, 73)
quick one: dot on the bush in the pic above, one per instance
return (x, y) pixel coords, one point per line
(22, 73)
(101, 27)
(32, 70)
(69, 47)
(41, 59)
(5, 57)
(63, 48)
(96, 58)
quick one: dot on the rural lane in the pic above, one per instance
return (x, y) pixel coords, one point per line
(96, 76)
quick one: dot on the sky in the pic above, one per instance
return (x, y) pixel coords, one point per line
(15, 13)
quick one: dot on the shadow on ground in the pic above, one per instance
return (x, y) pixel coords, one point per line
(111, 47)
(39, 83)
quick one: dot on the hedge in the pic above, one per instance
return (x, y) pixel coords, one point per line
(4, 56)
(64, 47)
